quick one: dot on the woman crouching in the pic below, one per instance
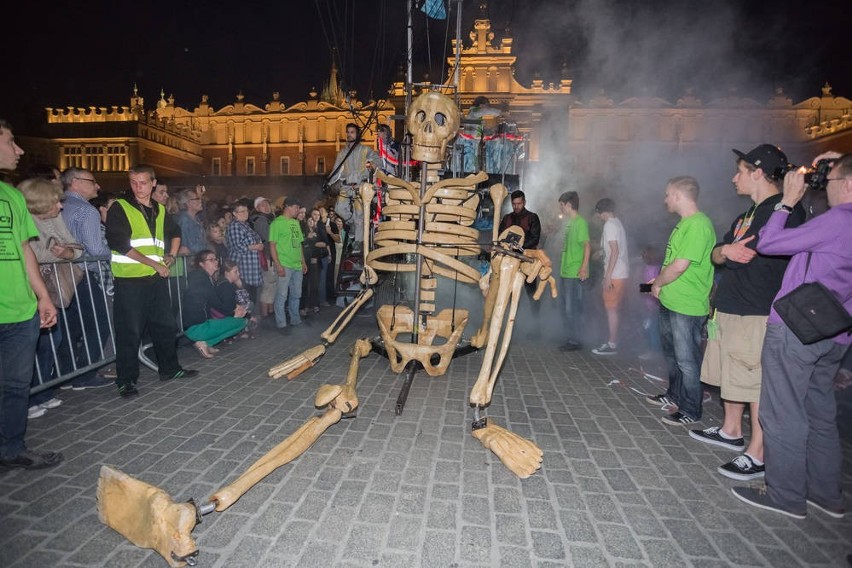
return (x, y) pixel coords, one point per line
(209, 318)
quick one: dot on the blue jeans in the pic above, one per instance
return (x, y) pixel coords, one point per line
(572, 291)
(287, 295)
(680, 337)
(17, 358)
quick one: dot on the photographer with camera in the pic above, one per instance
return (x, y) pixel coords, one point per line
(352, 166)
(798, 411)
(741, 305)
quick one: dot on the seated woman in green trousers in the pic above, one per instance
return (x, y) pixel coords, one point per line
(209, 318)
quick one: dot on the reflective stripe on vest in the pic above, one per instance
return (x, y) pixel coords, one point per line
(152, 246)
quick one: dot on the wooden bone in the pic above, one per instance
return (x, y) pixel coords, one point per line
(343, 400)
(344, 317)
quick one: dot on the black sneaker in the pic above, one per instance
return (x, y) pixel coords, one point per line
(606, 349)
(678, 419)
(742, 468)
(180, 374)
(571, 346)
(758, 497)
(660, 400)
(126, 391)
(29, 459)
(713, 435)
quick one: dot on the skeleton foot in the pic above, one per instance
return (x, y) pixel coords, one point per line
(521, 456)
(147, 516)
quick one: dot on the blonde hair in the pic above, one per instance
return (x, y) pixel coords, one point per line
(41, 194)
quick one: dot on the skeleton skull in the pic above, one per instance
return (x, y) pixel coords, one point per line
(433, 120)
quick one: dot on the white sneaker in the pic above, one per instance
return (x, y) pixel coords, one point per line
(51, 404)
(35, 412)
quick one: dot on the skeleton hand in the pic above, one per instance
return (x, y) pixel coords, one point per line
(518, 454)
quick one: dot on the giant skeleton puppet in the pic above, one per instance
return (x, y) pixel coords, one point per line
(430, 222)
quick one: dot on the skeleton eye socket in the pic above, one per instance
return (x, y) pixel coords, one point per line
(420, 116)
(440, 119)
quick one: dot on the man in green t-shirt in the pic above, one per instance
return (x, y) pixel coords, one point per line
(574, 270)
(683, 288)
(24, 308)
(285, 243)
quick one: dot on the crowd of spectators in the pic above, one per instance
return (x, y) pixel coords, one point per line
(249, 264)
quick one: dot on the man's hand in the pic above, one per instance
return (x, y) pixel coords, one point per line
(304, 268)
(583, 273)
(240, 311)
(282, 272)
(655, 289)
(739, 252)
(163, 270)
(794, 188)
(826, 156)
(46, 313)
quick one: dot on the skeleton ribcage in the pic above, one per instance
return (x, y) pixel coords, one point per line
(448, 236)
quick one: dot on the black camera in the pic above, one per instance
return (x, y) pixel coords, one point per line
(816, 177)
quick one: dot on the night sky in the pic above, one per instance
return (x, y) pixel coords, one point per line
(91, 53)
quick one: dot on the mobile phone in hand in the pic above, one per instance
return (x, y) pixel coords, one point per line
(645, 288)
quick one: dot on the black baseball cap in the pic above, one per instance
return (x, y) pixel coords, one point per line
(768, 158)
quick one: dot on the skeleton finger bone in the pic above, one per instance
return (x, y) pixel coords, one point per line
(309, 357)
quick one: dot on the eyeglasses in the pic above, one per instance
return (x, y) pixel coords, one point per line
(87, 179)
(194, 199)
(211, 259)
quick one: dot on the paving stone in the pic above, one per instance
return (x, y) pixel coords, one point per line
(617, 487)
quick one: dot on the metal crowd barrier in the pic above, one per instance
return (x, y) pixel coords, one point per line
(89, 318)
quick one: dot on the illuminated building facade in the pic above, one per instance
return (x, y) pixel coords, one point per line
(277, 146)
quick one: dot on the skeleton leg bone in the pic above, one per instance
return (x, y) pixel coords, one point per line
(339, 398)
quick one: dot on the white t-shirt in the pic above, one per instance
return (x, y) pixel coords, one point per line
(613, 230)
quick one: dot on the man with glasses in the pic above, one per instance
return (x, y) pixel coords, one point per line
(191, 227)
(798, 410)
(85, 342)
(135, 230)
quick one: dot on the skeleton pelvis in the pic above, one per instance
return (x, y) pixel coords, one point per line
(447, 326)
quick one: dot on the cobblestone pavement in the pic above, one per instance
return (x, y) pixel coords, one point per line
(618, 487)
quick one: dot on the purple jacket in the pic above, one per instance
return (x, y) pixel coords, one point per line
(828, 238)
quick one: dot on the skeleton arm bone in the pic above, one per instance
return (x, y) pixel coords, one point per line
(343, 319)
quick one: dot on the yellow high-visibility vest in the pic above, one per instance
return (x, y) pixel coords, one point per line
(142, 240)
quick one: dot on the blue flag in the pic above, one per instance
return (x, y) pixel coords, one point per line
(435, 9)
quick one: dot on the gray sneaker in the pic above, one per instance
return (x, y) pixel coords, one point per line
(713, 435)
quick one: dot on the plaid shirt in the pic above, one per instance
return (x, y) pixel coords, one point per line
(239, 236)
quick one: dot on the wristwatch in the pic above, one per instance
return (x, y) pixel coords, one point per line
(780, 206)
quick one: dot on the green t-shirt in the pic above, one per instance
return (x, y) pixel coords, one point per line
(693, 239)
(576, 234)
(287, 236)
(18, 301)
